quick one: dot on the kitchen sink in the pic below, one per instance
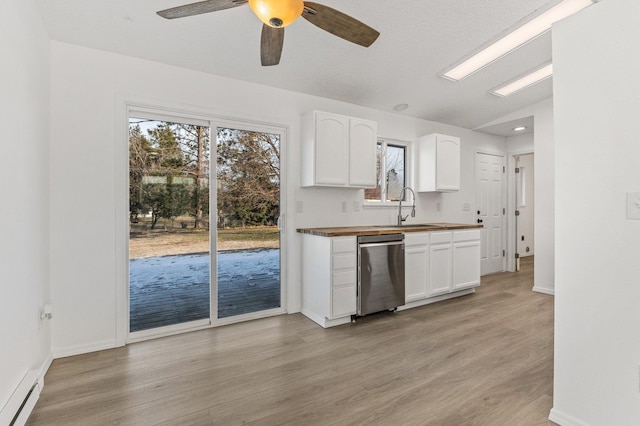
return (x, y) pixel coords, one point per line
(416, 225)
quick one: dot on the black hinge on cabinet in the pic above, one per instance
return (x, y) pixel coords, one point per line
(504, 211)
(517, 212)
(517, 169)
(504, 169)
(503, 253)
(517, 255)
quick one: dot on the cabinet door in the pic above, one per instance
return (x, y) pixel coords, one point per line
(331, 149)
(343, 301)
(439, 269)
(416, 265)
(363, 136)
(438, 163)
(447, 163)
(466, 265)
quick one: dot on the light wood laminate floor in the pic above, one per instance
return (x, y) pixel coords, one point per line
(482, 359)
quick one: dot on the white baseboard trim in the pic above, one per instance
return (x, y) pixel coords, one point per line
(434, 299)
(43, 370)
(325, 322)
(83, 349)
(544, 290)
(564, 419)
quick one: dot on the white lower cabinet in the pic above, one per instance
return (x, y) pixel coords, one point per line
(329, 279)
(416, 265)
(466, 259)
(438, 265)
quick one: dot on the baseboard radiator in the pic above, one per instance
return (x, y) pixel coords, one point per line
(17, 410)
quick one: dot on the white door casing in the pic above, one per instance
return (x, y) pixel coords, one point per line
(490, 171)
(524, 205)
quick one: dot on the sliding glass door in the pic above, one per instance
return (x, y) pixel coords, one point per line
(248, 209)
(204, 237)
(169, 227)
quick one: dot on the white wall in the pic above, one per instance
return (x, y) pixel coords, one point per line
(521, 143)
(88, 88)
(24, 239)
(597, 310)
(544, 189)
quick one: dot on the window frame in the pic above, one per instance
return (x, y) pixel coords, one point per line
(408, 180)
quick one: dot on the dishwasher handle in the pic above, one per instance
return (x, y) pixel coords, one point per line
(385, 238)
(389, 243)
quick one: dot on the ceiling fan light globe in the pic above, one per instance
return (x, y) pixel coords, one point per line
(277, 13)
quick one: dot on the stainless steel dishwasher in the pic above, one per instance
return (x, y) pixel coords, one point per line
(380, 273)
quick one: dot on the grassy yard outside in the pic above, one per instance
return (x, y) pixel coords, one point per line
(172, 238)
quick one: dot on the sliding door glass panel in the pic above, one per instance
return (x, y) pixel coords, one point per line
(169, 244)
(248, 208)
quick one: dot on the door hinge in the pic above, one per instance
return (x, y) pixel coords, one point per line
(517, 169)
(504, 169)
(517, 212)
(517, 255)
(504, 211)
(503, 253)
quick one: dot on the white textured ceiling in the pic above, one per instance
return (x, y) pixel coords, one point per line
(419, 38)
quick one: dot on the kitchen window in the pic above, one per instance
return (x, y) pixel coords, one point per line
(391, 173)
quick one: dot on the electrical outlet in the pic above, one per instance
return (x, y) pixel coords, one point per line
(299, 207)
(344, 207)
(356, 206)
(633, 205)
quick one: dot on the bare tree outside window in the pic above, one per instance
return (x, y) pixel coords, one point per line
(392, 159)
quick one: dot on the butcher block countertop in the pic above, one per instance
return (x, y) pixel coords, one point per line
(343, 231)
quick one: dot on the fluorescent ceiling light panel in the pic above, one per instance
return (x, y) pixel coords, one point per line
(533, 26)
(524, 81)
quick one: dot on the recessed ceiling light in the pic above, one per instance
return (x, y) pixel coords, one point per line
(400, 107)
(522, 32)
(519, 128)
(523, 81)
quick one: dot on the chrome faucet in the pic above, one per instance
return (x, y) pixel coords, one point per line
(413, 207)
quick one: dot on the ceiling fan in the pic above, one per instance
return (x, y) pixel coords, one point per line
(277, 14)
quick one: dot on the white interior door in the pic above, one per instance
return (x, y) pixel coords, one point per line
(490, 211)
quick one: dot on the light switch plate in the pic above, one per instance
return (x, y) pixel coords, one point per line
(633, 205)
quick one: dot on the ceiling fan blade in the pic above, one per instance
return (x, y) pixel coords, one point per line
(199, 8)
(271, 45)
(339, 24)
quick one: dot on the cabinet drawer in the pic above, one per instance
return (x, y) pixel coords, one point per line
(343, 245)
(416, 239)
(343, 301)
(470, 235)
(343, 261)
(343, 278)
(440, 237)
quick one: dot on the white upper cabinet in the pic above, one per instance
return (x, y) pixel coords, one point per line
(438, 165)
(363, 137)
(338, 151)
